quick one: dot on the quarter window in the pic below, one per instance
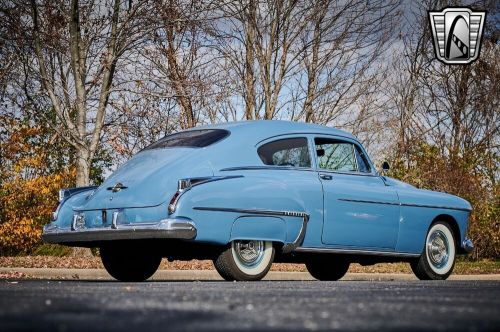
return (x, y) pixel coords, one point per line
(286, 152)
(340, 156)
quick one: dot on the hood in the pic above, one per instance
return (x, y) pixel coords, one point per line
(149, 178)
(411, 195)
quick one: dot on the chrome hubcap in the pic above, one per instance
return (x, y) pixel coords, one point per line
(438, 249)
(249, 253)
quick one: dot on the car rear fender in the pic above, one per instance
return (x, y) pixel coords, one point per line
(74, 197)
(263, 228)
(246, 207)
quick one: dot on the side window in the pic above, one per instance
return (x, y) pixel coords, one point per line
(340, 156)
(286, 152)
(363, 165)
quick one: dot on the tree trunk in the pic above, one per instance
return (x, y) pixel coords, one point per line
(82, 169)
(312, 71)
(249, 63)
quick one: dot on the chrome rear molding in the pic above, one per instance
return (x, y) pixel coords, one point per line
(184, 185)
(357, 252)
(287, 247)
(164, 229)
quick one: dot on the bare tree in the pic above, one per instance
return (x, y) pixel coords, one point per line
(77, 50)
(342, 49)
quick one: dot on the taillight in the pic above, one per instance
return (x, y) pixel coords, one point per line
(173, 202)
(182, 185)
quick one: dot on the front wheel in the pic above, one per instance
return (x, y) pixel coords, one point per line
(125, 264)
(245, 260)
(438, 257)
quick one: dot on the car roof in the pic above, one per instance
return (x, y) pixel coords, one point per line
(263, 129)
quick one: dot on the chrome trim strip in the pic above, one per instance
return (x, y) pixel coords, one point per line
(403, 204)
(254, 211)
(193, 182)
(287, 247)
(356, 252)
(366, 201)
(164, 229)
(436, 207)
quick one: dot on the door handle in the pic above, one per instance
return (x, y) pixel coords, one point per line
(325, 176)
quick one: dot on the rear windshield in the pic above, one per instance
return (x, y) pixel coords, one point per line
(193, 138)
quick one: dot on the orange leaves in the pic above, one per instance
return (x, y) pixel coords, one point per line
(27, 206)
(29, 184)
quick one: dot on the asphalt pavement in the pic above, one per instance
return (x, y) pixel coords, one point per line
(267, 305)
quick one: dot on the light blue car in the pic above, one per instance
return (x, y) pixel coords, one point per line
(247, 194)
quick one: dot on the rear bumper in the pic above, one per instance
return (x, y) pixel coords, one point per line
(164, 229)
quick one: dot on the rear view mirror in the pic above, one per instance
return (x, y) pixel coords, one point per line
(320, 152)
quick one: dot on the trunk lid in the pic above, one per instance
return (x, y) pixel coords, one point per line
(148, 179)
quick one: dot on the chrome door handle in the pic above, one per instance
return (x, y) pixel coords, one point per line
(325, 176)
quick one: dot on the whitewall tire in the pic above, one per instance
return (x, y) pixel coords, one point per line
(245, 260)
(439, 253)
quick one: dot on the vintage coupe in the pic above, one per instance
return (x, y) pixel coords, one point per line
(245, 194)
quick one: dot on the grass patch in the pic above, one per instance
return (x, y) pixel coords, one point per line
(55, 250)
(477, 267)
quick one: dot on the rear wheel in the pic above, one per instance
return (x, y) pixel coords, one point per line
(126, 264)
(245, 260)
(438, 257)
(327, 269)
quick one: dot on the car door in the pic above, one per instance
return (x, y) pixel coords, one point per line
(359, 209)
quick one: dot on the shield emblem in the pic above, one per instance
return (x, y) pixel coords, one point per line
(457, 34)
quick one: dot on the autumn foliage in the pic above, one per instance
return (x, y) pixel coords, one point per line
(32, 172)
(425, 166)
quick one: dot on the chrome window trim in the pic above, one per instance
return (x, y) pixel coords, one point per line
(285, 137)
(287, 247)
(351, 141)
(307, 133)
(266, 167)
(353, 148)
(320, 170)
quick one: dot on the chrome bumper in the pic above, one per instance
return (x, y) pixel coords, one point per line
(467, 245)
(164, 229)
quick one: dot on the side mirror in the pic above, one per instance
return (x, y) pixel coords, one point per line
(385, 167)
